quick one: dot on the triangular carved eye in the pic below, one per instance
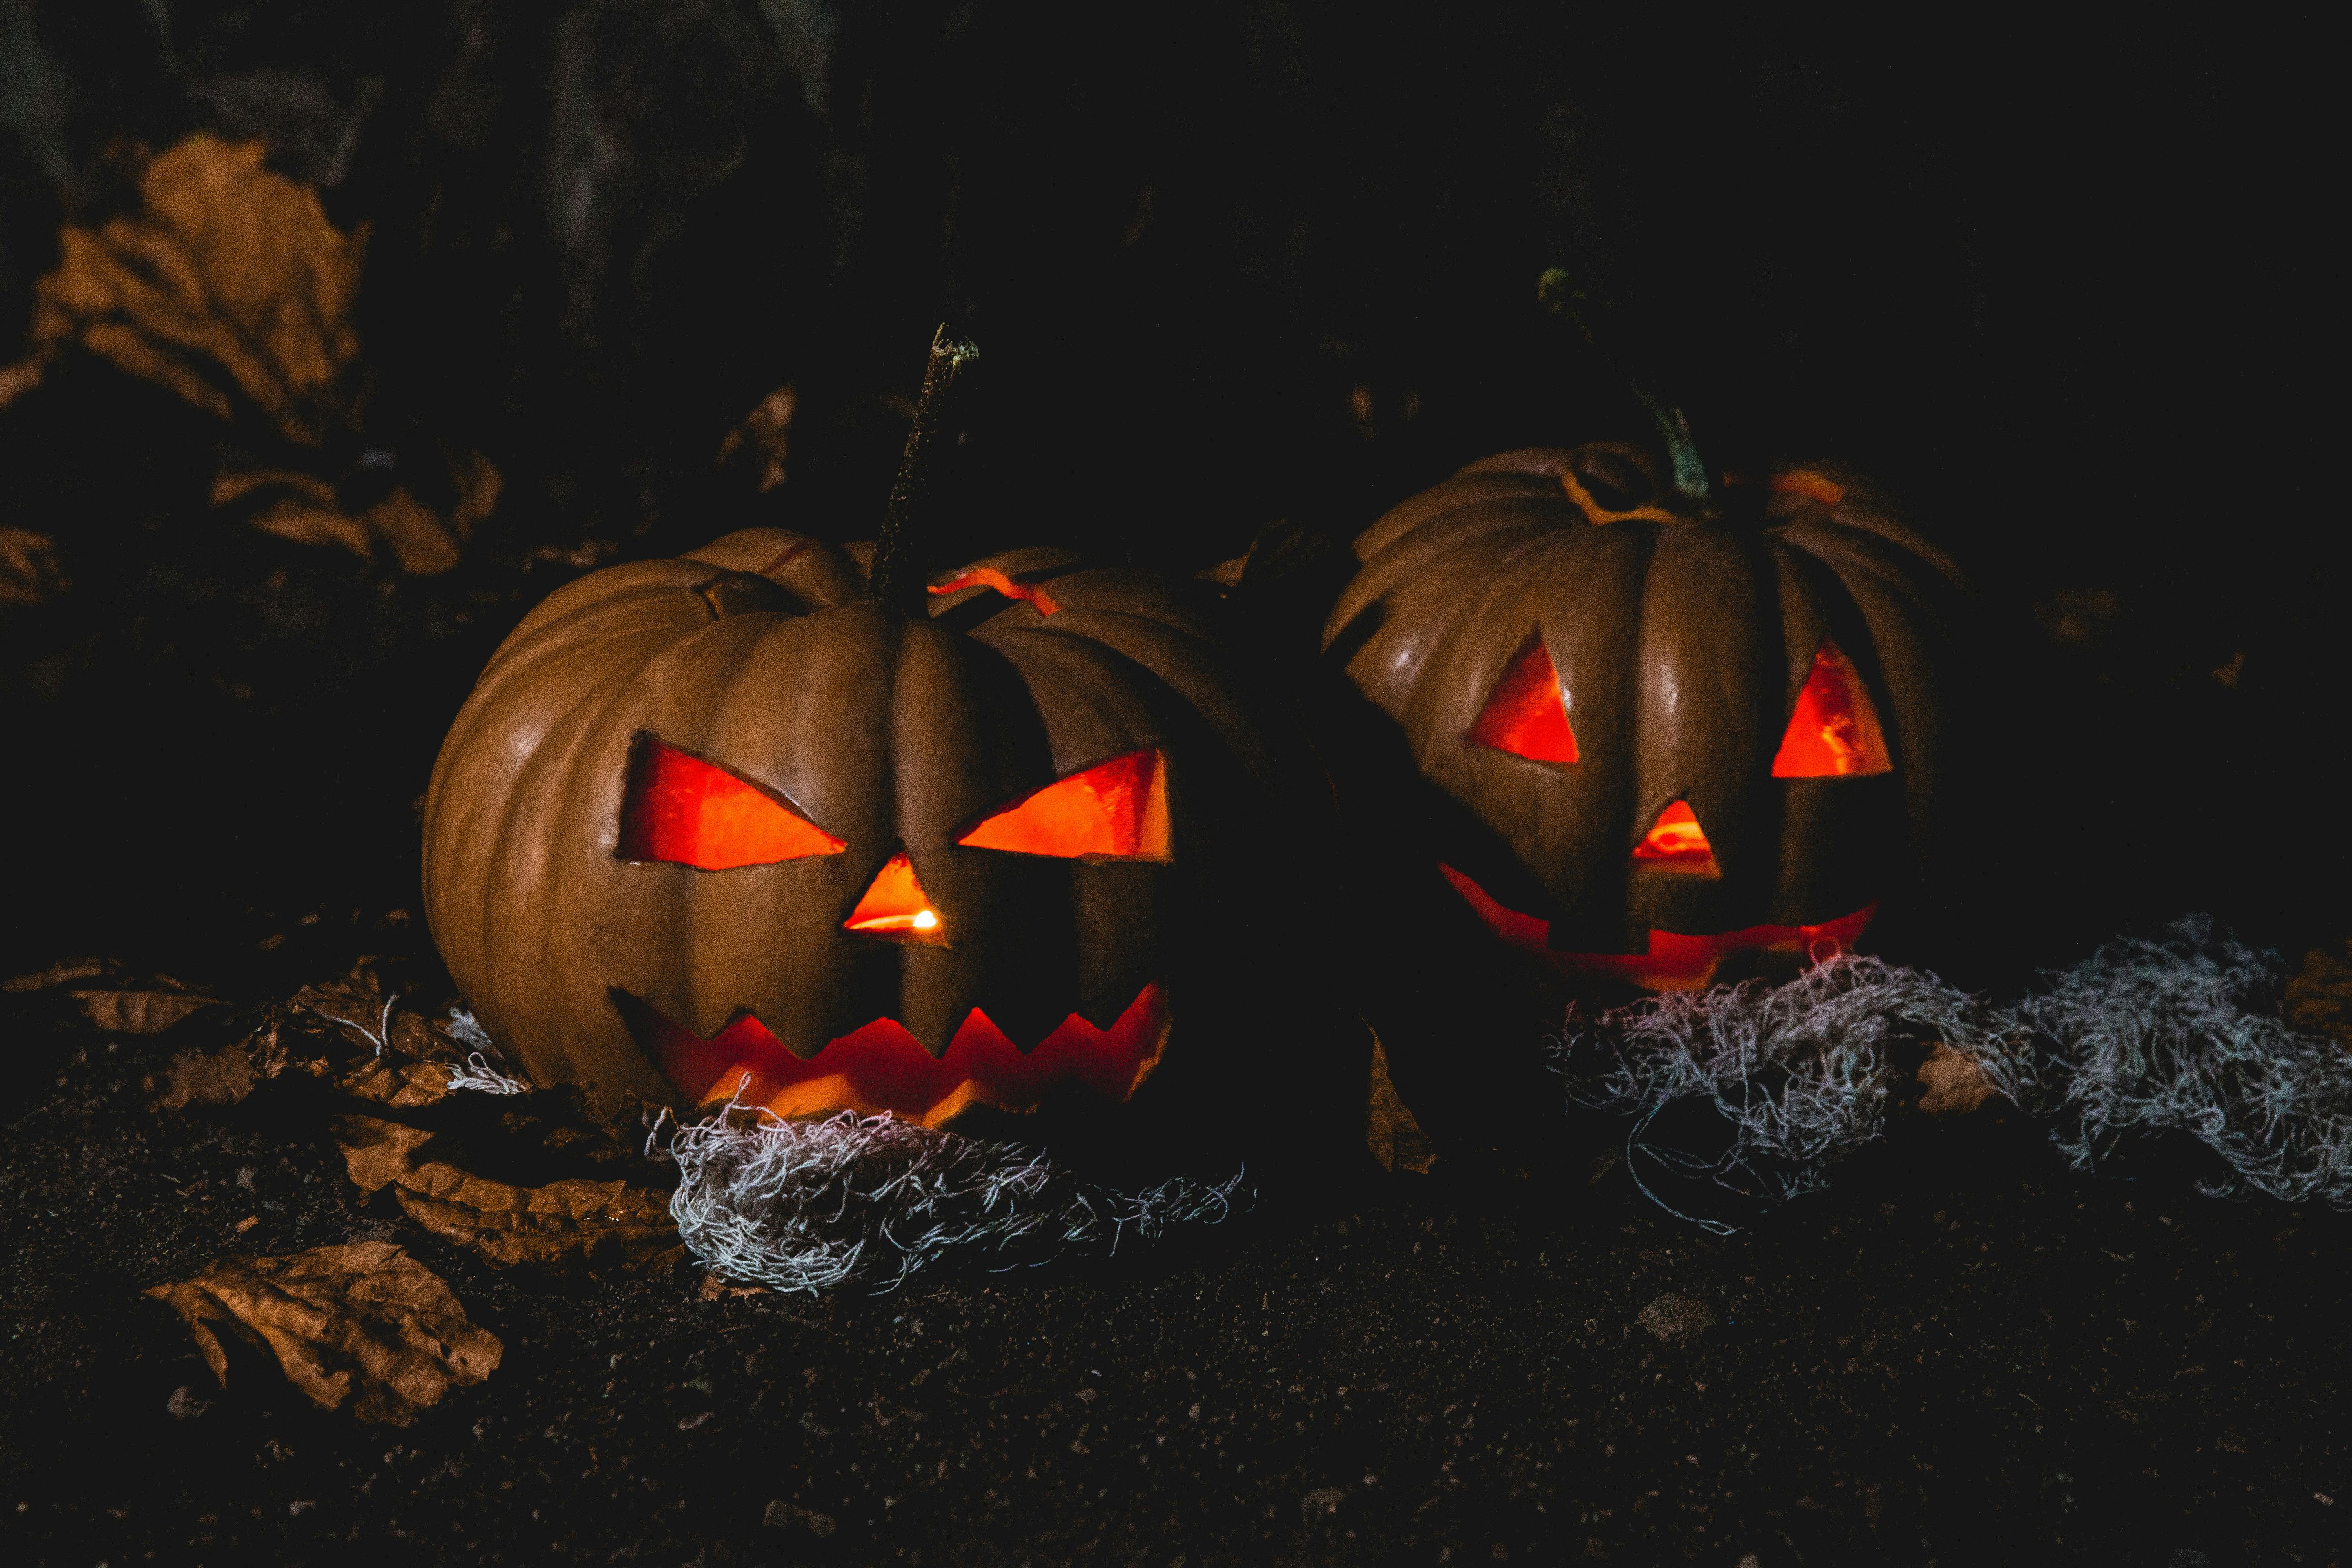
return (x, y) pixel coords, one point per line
(1675, 842)
(1834, 732)
(685, 811)
(1527, 714)
(1118, 810)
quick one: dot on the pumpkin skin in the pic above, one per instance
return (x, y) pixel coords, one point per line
(1685, 646)
(761, 656)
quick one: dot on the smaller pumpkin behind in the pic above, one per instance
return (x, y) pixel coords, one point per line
(1610, 726)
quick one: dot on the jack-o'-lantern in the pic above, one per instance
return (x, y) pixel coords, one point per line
(1029, 861)
(1664, 733)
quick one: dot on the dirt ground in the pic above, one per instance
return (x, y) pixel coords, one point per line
(1963, 1354)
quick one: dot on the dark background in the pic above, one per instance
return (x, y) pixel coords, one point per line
(1229, 263)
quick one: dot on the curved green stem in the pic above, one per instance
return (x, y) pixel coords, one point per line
(900, 579)
(1558, 293)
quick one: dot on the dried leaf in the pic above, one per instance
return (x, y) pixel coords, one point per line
(311, 514)
(236, 484)
(20, 378)
(377, 1152)
(2319, 996)
(61, 973)
(572, 1224)
(590, 1227)
(207, 1078)
(478, 487)
(1677, 1317)
(422, 546)
(139, 1012)
(763, 441)
(29, 572)
(1390, 1132)
(226, 277)
(361, 1323)
(1951, 1083)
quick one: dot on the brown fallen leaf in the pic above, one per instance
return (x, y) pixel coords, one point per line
(20, 378)
(305, 509)
(139, 1012)
(478, 485)
(362, 1324)
(1390, 1131)
(569, 1225)
(2319, 996)
(1951, 1083)
(225, 278)
(763, 441)
(29, 572)
(377, 1152)
(62, 973)
(572, 1224)
(222, 1076)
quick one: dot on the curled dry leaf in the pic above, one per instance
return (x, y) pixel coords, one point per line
(1390, 1132)
(226, 279)
(139, 1012)
(305, 509)
(62, 973)
(568, 1225)
(29, 572)
(1951, 1083)
(362, 1325)
(2319, 996)
(763, 441)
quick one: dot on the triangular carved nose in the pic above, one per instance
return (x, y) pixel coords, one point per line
(896, 908)
(1675, 842)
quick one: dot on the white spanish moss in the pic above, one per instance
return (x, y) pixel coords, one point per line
(2180, 1033)
(810, 1205)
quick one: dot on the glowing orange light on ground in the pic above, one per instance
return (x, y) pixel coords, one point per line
(1675, 842)
(1031, 594)
(681, 809)
(894, 906)
(1117, 808)
(1834, 732)
(1527, 716)
(1674, 960)
(882, 1067)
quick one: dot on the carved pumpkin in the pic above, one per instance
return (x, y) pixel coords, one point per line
(1012, 848)
(701, 823)
(1663, 733)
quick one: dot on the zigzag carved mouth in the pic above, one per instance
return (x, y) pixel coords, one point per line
(882, 1068)
(1672, 961)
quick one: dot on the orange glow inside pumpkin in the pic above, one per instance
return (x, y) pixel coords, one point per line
(881, 1067)
(683, 810)
(1834, 732)
(1031, 594)
(896, 906)
(1117, 809)
(1675, 842)
(1671, 960)
(1527, 714)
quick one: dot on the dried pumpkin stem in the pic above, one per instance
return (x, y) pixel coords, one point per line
(1559, 295)
(901, 575)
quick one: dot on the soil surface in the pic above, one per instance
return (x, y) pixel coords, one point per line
(1962, 1354)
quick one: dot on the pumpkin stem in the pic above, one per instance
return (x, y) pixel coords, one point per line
(1558, 294)
(901, 573)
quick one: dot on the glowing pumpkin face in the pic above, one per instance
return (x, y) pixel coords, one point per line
(1657, 739)
(721, 821)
